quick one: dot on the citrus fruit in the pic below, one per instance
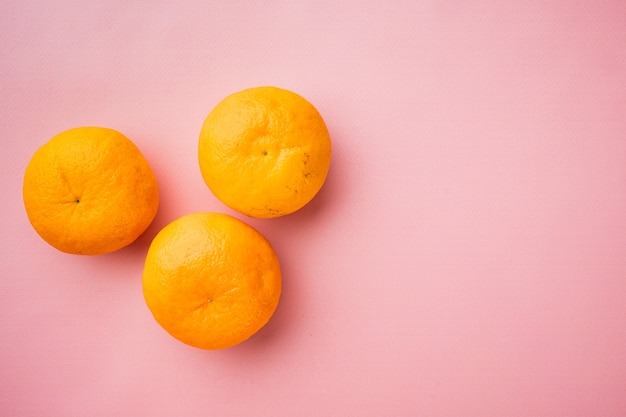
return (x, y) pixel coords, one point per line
(211, 280)
(264, 151)
(90, 191)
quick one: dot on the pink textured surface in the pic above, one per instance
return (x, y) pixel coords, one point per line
(466, 257)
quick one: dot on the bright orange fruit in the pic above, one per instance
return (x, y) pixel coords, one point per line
(90, 191)
(264, 151)
(211, 280)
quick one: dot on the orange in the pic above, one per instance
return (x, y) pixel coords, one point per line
(90, 191)
(211, 280)
(264, 151)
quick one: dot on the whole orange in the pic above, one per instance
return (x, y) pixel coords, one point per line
(264, 151)
(90, 191)
(211, 280)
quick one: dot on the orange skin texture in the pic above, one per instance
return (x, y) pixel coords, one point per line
(90, 191)
(264, 151)
(211, 280)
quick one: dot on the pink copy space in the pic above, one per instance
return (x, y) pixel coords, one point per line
(466, 257)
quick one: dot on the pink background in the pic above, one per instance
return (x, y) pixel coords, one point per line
(466, 257)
